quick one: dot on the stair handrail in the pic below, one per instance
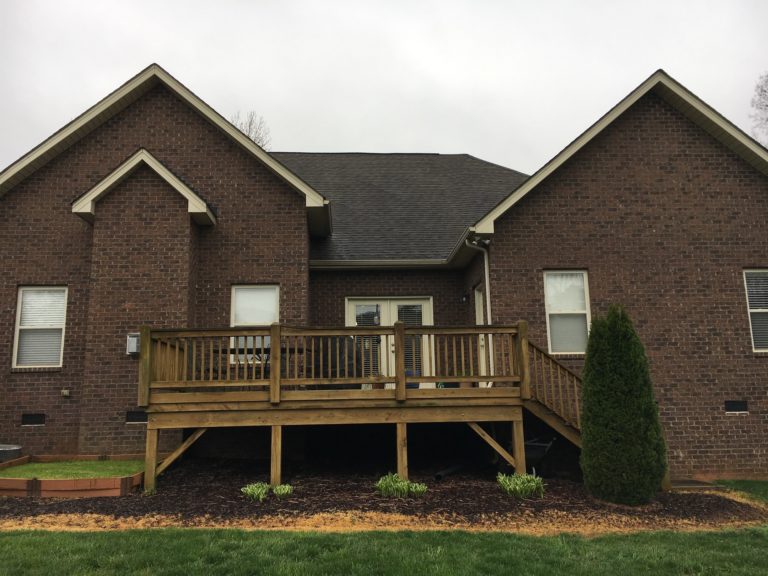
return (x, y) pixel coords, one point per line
(555, 386)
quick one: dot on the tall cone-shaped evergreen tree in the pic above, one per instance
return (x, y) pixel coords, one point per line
(623, 455)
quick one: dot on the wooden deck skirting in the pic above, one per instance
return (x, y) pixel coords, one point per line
(282, 376)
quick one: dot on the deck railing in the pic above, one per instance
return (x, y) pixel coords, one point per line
(269, 361)
(555, 386)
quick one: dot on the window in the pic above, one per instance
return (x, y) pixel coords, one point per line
(756, 282)
(566, 299)
(41, 313)
(253, 306)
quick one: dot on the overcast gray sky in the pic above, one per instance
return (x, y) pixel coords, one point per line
(511, 82)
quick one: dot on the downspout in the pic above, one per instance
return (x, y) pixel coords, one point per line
(489, 318)
(487, 281)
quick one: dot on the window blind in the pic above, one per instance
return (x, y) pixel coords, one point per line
(40, 326)
(757, 298)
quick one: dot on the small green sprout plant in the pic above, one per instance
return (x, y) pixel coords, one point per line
(521, 485)
(392, 486)
(256, 491)
(283, 490)
(260, 490)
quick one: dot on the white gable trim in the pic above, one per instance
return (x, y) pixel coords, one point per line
(128, 92)
(679, 97)
(85, 206)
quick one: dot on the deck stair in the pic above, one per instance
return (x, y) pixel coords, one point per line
(555, 394)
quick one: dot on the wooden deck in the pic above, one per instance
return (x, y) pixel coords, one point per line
(283, 376)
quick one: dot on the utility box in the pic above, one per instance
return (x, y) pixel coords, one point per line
(133, 344)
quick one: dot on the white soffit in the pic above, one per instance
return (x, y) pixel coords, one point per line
(85, 206)
(676, 95)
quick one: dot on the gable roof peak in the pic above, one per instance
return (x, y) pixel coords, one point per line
(85, 206)
(673, 93)
(129, 92)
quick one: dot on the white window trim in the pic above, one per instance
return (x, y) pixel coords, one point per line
(750, 310)
(18, 327)
(585, 274)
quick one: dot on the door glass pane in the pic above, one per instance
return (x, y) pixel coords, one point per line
(369, 346)
(568, 333)
(411, 315)
(565, 292)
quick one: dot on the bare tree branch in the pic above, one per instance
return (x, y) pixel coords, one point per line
(255, 127)
(760, 107)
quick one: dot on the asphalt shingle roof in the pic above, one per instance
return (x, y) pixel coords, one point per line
(400, 206)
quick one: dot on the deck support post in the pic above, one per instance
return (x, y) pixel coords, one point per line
(523, 362)
(402, 450)
(150, 460)
(400, 387)
(145, 365)
(275, 364)
(275, 476)
(518, 446)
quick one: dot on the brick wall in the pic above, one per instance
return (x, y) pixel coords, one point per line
(330, 288)
(664, 219)
(140, 273)
(261, 237)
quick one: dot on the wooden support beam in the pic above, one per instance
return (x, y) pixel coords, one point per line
(554, 421)
(492, 443)
(162, 467)
(145, 365)
(275, 364)
(275, 477)
(518, 446)
(150, 460)
(402, 450)
(400, 388)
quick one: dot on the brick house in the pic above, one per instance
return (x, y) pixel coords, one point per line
(150, 209)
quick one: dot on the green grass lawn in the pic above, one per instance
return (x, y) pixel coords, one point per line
(204, 552)
(757, 489)
(74, 469)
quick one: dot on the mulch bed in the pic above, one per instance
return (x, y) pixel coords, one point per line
(207, 493)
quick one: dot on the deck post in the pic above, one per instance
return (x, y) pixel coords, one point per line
(150, 460)
(275, 364)
(145, 365)
(402, 450)
(521, 345)
(275, 477)
(518, 445)
(400, 388)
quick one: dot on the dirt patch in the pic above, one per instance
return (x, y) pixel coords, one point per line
(201, 494)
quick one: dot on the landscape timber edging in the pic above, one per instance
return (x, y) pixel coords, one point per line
(71, 488)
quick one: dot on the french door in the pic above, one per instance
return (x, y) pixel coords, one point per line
(379, 356)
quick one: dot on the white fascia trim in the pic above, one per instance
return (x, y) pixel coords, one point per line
(85, 206)
(313, 198)
(721, 124)
(342, 264)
